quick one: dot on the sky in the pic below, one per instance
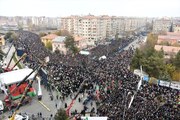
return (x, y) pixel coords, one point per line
(58, 8)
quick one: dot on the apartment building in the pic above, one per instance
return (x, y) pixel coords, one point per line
(48, 38)
(94, 28)
(176, 27)
(162, 25)
(58, 43)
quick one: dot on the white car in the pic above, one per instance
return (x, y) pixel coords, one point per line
(1, 106)
(21, 117)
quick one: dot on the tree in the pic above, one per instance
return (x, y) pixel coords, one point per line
(1, 55)
(151, 60)
(49, 45)
(58, 33)
(65, 33)
(151, 40)
(176, 61)
(62, 33)
(42, 34)
(8, 35)
(137, 59)
(176, 76)
(61, 115)
(70, 44)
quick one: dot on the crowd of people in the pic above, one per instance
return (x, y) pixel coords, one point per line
(117, 84)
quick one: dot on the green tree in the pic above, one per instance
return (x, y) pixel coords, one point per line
(8, 35)
(58, 33)
(176, 61)
(70, 44)
(137, 60)
(61, 115)
(154, 65)
(151, 40)
(170, 68)
(151, 60)
(49, 45)
(42, 34)
(62, 33)
(1, 55)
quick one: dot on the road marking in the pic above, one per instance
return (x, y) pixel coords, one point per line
(44, 105)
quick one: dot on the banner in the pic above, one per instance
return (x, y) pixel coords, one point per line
(94, 118)
(173, 85)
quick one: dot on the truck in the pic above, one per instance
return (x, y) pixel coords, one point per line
(13, 88)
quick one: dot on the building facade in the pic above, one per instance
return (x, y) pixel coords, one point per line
(94, 28)
(162, 25)
(58, 43)
(2, 40)
(170, 38)
(48, 38)
(176, 27)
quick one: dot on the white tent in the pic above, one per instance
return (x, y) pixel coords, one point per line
(84, 52)
(15, 76)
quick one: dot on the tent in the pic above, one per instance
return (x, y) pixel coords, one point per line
(84, 53)
(15, 76)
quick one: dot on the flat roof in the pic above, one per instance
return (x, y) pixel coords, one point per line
(59, 39)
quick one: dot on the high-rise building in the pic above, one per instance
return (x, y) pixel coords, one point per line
(95, 28)
(162, 25)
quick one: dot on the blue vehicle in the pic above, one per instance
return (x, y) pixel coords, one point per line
(88, 99)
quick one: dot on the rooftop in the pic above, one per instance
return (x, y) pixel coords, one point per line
(173, 33)
(59, 39)
(78, 38)
(169, 37)
(167, 49)
(50, 36)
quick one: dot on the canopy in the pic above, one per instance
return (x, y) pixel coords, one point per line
(15, 76)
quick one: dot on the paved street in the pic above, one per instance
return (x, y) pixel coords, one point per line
(35, 107)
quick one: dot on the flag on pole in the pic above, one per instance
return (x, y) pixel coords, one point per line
(97, 91)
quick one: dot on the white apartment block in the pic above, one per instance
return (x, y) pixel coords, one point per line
(176, 26)
(161, 25)
(95, 28)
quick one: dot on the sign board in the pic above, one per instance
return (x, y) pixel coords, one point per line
(175, 85)
(164, 83)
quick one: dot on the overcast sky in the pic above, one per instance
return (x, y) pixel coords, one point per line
(54, 8)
